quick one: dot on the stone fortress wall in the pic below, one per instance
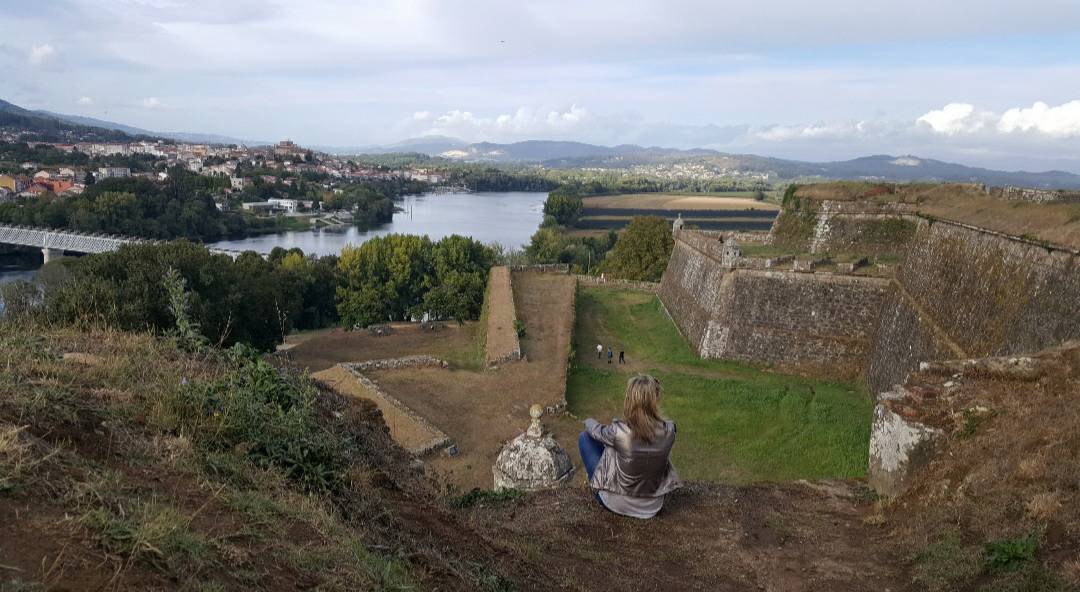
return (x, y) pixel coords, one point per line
(1034, 195)
(966, 292)
(961, 292)
(871, 229)
(798, 321)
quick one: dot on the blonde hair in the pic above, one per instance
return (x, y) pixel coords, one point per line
(641, 406)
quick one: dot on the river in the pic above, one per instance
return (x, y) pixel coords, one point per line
(507, 218)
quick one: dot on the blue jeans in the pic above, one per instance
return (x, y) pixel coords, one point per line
(590, 450)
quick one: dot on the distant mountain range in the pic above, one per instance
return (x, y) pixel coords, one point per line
(42, 120)
(555, 154)
(564, 154)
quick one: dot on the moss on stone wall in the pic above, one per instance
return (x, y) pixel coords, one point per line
(888, 236)
(794, 227)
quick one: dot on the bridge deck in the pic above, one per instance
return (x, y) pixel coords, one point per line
(75, 242)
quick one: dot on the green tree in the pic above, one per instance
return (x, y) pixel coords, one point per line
(642, 251)
(397, 277)
(248, 300)
(460, 272)
(564, 206)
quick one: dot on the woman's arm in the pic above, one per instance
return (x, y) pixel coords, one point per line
(600, 432)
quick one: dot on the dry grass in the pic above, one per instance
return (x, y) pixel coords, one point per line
(1010, 475)
(112, 489)
(18, 460)
(1044, 506)
(1070, 570)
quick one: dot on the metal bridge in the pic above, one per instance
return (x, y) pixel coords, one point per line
(54, 243)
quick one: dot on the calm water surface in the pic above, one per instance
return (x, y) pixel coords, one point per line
(507, 218)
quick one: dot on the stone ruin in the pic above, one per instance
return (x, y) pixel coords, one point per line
(533, 460)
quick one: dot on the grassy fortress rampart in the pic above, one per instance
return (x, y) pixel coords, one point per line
(932, 288)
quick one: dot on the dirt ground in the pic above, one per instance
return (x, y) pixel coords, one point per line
(661, 201)
(480, 411)
(798, 537)
(409, 433)
(319, 350)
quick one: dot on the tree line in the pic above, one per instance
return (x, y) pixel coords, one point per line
(258, 301)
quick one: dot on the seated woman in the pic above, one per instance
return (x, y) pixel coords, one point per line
(627, 462)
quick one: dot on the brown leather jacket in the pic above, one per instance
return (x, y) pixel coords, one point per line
(630, 466)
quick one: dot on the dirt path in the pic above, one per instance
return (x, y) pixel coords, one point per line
(791, 538)
(501, 337)
(480, 411)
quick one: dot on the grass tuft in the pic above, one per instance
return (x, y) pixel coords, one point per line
(486, 497)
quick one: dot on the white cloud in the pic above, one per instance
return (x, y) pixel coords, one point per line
(41, 55)
(955, 118)
(525, 122)
(1062, 121)
(85, 101)
(819, 131)
(151, 103)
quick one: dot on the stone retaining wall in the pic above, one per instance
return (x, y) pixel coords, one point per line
(501, 342)
(867, 229)
(439, 439)
(592, 280)
(1028, 194)
(421, 361)
(962, 291)
(969, 292)
(543, 267)
(819, 323)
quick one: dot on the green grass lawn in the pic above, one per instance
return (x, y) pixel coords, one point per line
(736, 423)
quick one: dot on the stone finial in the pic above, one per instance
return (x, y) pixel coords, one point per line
(533, 460)
(536, 429)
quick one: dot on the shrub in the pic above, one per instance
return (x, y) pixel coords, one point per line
(1006, 555)
(268, 415)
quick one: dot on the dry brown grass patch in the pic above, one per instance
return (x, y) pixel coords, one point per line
(1044, 506)
(1070, 570)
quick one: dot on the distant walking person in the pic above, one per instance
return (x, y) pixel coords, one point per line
(628, 462)
(610, 354)
(622, 357)
(599, 351)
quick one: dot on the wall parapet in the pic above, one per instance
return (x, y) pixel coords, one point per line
(542, 267)
(439, 438)
(637, 286)
(501, 343)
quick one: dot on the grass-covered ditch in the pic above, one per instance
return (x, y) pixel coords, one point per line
(736, 423)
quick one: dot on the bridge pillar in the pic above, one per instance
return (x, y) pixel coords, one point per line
(51, 254)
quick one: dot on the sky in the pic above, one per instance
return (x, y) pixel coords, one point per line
(992, 83)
